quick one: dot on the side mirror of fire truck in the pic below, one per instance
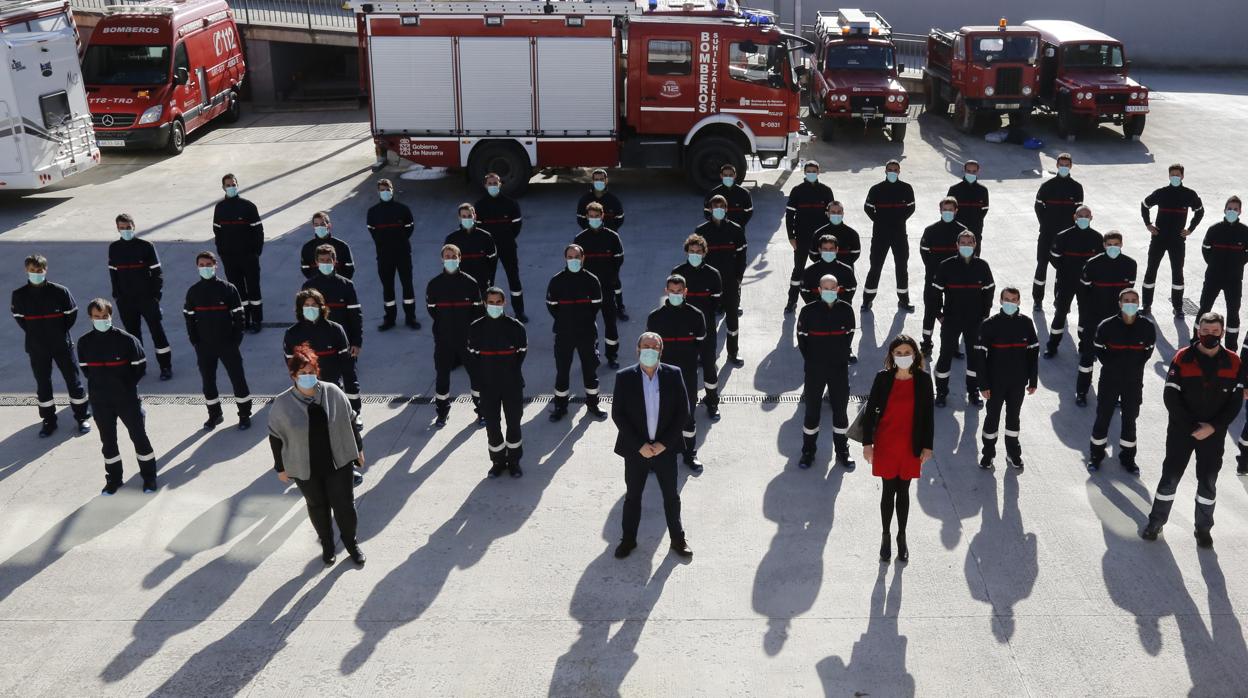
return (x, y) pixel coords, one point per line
(181, 76)
(901, 68)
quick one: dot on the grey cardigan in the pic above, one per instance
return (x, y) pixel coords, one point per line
(288, 423)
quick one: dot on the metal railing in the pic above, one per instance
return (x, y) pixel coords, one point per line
(312, 15)
(911, 53)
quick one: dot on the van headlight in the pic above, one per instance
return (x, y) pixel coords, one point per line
(152, 115)
(1026, 90)
(990, 91)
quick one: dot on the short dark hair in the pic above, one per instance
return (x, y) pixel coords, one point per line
(676, 279)
(1212, 318)
(1113, 235)
(1125, 291)
(728, 166)
(718, 199)
(302, 356)
(828, 238)
(695, 239)
(810, 163)
(323, 215)
(227, 177)
(1176, 166)
(834, 202)
(907, 340)
(1234, 200)
(968, 163)
(573, 246)
(303, 296)
(383, 182)
(124, 218)
(595, 207)
(949, 201)
(1011, 289)
(892, 162)
(494, 291)
(599, 171)
(1065, 156)
(38, 261)
(965, 234)
(327, 250)
(206, 254)
(453, 248)
(101, 304)
(466, 207)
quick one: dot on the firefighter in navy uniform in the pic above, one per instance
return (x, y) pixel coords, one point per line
(239, 235)
(453, 299)
(340, 297)
(501, 216)
(739, 202)
(329, 340)
(391, 224)
(574, 297)
(214, 323)
(603, 257)
(498, 345)
(138, 284)
(46, 312)
(889, 205)
(1072, 248)
(1225, 249)
(938, 243)
(1007, 368)
(725, 252)
(323, 234)
(805, 212)
(972, 198)
(478, 255)
(1104, 278)
(827, 261)
(962, 293)
(114, 363)
(1203, 395)
(703, 290)
(612, 219)
(1124, 345)
(683, 329)
(1056, 201)
(1170, 232)
(848, 242)
(825, 332)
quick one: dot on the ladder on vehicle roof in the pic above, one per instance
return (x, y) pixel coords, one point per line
(498, 7)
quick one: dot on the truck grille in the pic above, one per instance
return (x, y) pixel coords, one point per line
(1009, 82)
(861, 102)
(1112, 98)
(113, 120)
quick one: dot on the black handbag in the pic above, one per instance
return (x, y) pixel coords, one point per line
(854, 433)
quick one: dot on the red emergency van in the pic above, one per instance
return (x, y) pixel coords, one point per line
(157, 71)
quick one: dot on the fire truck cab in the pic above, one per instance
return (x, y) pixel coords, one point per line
(984, 72)
(855, 73)
(515, 85)
(1083, 79)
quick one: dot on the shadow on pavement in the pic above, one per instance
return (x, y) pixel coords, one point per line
(877, 663)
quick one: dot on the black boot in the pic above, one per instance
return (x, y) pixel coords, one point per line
(691, 460)
(517, 304)
(903, 552)
(215, 417)
(560, 409)
(498, 463)
(591, 406)
(886, 548)
(49, 426)
(843, 458)
(387, 322)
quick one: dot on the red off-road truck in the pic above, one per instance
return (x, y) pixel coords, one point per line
(854, 75)
(984, 72)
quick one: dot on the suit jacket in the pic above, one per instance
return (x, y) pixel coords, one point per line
(628, 410)
(881, 388)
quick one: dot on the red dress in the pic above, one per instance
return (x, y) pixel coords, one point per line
(894, 435)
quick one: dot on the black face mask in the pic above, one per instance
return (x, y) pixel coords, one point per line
(1210, 341)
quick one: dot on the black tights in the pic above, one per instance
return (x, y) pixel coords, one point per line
(896, 493)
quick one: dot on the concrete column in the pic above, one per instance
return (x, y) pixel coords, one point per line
(260, 71)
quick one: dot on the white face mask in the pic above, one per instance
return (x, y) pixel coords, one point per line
(903, 362)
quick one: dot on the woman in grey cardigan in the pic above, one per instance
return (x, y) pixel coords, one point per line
(315, 444)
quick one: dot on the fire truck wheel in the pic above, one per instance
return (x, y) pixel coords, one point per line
(504, 158)
(897, 132)
(1133, 127)
(1066, 122)
(964, 116)
(177, 138)
(934, 103)
(235, 110)
(707, 155)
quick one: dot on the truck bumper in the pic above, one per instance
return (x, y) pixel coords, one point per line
(144, 137)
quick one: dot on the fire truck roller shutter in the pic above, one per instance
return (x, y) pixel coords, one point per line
(10, 156)
(576, 86)
(413, 84)
(496, 85)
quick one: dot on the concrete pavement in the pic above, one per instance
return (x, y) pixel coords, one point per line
(1032, 583)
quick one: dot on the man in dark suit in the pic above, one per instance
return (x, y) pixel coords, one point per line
(650, 408)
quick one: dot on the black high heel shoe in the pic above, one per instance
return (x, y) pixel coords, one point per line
(886, 548)
(903, 553)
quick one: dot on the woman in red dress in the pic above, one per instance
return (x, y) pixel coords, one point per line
(897, 434)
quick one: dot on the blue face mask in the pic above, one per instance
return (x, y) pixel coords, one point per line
(970, 178)
(594, 223)
(966, 250)
(1083, 223)
(574, 265)
(1176, 181)
(600, 186)
(827, 296)
(492, 189)
(719, 214)
(947, 216)
(326, 269)
(1130, 309)
(728, 181)
(126, 233)
(1063, 171)
(892, 176)
(649, 357)
(494, 311)
(1009, 308)
(451, 265)
(207, 272)
(812, 177)
(311, 313)
(385, 194)
(836, 218)
(827, 255)
(322, 231)
(467, 223)
(102, 325)
(36, 277)
(307, 381)
(1113, 251)
(695, 259)
(1232, 215)
(675, 298)
(231, 192)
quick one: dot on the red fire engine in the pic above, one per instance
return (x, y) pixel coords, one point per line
(855, 74)
(513, 85)
(984, 72)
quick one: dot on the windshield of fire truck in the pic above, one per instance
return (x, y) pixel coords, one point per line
(1092, 56)
(858, 57)
(761, 64)
(1003, 48)
(125, 65)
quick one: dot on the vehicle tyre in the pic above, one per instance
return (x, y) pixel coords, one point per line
(177, 138)
(964, 116)
(934, 103)
(235, 111)
(898, 132)
(707, 155)
(506, 159)
(1133, 126)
